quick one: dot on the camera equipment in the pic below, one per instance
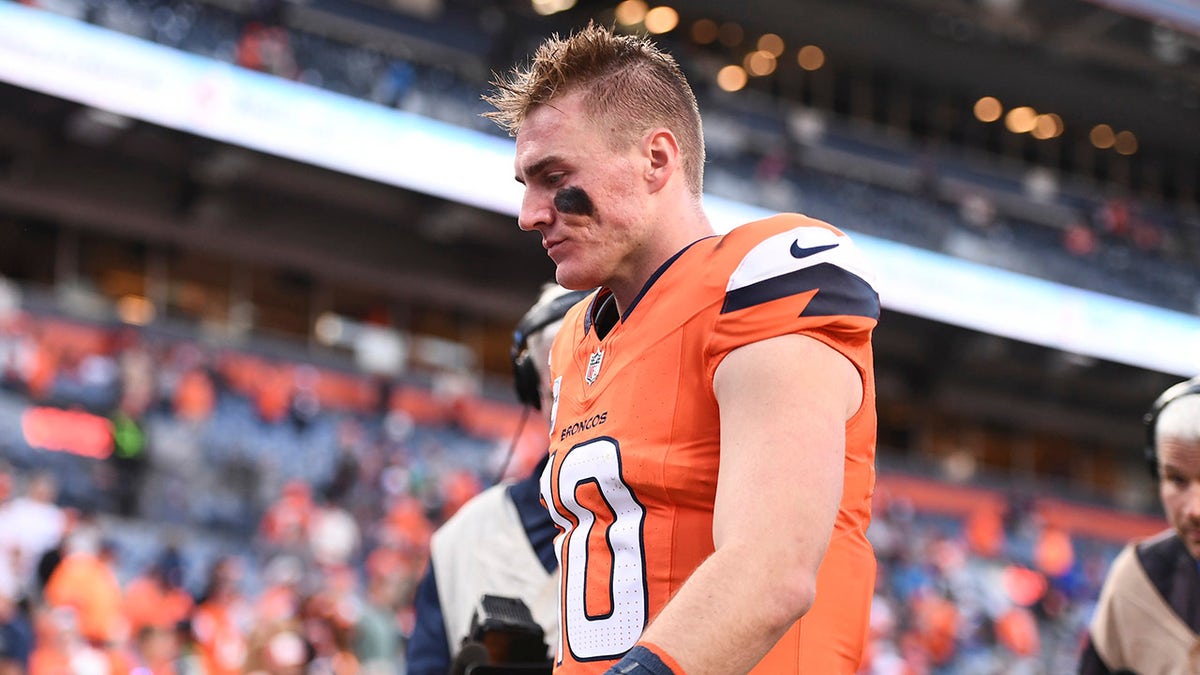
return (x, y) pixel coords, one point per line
(503, 640)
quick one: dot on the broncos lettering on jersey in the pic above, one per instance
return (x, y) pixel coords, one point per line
(635, 437)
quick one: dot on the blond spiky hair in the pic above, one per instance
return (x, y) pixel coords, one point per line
(626, 79)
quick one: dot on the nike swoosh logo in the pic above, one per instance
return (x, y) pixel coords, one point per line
(799, 252)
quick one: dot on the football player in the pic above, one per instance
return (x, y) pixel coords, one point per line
(713, 435)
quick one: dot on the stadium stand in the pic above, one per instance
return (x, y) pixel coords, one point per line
(259, 464)
(932, 195)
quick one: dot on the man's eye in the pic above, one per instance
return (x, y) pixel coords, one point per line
(554, 178)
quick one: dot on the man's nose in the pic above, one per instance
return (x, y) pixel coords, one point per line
(535, 213)
(1191, 501)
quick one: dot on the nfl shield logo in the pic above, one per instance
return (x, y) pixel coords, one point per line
(593, 369)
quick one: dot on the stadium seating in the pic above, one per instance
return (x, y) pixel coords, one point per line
(854, 177)
(966, 572)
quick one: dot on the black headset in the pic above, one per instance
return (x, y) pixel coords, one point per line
(1172, 394)
(525, 375)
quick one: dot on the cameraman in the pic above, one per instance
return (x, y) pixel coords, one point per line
(500, 542)
(1148, 616)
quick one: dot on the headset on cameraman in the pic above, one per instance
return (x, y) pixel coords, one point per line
(1150, 419)
(526, 380)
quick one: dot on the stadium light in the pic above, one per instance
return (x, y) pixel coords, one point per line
(1126, 143)
(135, 310)
(1047, 126)
(1021, 120)
(988, 109)
(759, 63)
(1102, 136)
(661, 20)
(732, 78)
(772, 43)
(631, 12)
(548, 7)
(811, 57)
(704, 31)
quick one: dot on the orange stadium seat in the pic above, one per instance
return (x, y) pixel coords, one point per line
(419, 404)
(342, 391)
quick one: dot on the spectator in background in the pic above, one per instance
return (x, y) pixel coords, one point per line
(499, 542)
(1079, 239)
(334, 538)
(10, 555)
(136, 374)
(190, 653)
(285, 524)
(458, 486)
(376, 635)
(327, 620)
(406, 528)
(1114, 216)
(194, 396)
(275, 644)
(220, 621)
(154, 652)
(156, 598)
(38, 365)
(128, 460)
(6, 483)
(1148, 616)
(273, 394)
(33, 525)
(86, 582)
(60, 648)
(16, 633)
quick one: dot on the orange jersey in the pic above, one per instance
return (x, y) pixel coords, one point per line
(635, 437)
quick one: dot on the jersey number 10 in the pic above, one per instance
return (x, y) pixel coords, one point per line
(603, 563)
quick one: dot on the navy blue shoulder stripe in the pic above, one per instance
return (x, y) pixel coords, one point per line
(839, 292)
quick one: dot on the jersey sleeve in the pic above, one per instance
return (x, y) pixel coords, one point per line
(793, 275)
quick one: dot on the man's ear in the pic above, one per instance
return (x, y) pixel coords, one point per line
(662, 151)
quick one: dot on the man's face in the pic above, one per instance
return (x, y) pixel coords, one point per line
(1179, 487)
(583, 194)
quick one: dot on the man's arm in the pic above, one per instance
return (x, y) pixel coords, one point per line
(428, 650)
(784, 403)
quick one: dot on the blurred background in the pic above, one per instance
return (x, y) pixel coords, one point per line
(259, 269)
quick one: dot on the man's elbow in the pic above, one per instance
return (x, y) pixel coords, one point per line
(796, 592)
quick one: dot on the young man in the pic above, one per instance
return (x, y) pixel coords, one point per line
(1148, 616)
(713, 431)
(501, 541)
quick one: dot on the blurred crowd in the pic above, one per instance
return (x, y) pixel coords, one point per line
(261, 514)
(996, 588)
(69, 604)
(243, 514)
